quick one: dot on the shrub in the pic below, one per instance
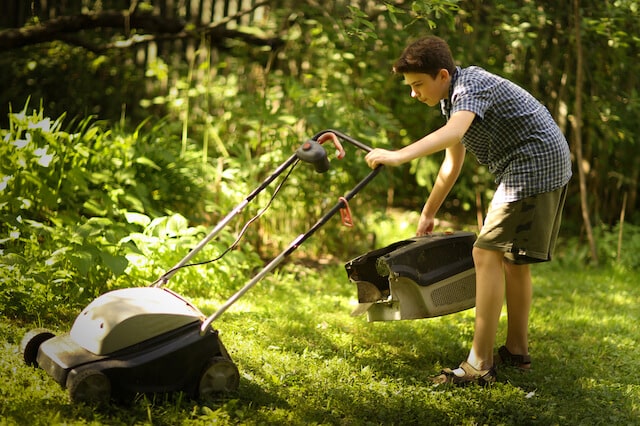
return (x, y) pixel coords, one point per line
(65, 196)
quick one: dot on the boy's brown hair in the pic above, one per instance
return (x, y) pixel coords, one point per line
(427, 55)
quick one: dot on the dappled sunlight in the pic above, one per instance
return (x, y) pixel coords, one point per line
(310, 337)
(303, 357)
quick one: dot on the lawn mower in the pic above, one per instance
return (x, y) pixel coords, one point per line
(152, 340)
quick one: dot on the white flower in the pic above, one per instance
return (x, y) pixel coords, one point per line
(45, 159)
(5, 182)
(21, 143)
(42, 124)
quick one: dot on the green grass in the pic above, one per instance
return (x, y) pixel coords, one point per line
(304, 360)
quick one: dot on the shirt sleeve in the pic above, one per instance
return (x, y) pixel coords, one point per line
(472, 95)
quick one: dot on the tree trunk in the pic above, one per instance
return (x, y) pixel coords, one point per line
(577, 134)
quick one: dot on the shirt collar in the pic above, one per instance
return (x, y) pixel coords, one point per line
(445, 104)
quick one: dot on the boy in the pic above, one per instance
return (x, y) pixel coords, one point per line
(516, 137)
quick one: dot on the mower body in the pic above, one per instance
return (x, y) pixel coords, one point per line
(152, 340)
(139, 340)
(420, 277)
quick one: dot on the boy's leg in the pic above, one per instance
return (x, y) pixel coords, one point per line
(489, 298)
(519, 295)
(513, 235)
(490, 279)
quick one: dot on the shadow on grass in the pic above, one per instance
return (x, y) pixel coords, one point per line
(583, 347)
(303, 360)
(580, 379)
(583, 365)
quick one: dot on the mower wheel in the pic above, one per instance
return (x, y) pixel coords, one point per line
(31, 343)
(89, 386)
(219, 375)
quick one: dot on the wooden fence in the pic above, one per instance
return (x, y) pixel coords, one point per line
(15, 13)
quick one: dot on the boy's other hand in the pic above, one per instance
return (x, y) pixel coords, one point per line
(379, 156)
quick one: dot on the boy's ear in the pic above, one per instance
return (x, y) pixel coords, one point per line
(444, 73)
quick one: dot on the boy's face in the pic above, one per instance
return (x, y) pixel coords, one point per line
(427, 89)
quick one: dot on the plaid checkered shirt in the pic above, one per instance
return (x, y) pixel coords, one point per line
(513, 134)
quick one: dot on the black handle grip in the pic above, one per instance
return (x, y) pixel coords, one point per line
(312, 152)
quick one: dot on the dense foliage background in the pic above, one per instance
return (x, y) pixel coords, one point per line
(121, 147)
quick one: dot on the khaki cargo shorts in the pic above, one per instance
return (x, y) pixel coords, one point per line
(525, 230)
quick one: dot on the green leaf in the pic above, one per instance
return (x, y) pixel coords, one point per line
(147, 162)
(82, 260)
(102, 222)
(133, 202)
(84, 230)
(101, 177)
(176, 225)
(137, 218)
(13, 259)
(57, 256)
(116, 264)
(93, 207)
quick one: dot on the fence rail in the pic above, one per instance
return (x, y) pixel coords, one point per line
(16, 13)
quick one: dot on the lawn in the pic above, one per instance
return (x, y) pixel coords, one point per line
(304, 360)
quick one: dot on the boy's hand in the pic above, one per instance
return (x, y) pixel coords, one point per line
(381, 156)
(425, 225)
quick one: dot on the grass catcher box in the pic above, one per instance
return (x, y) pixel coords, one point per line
(420, 277)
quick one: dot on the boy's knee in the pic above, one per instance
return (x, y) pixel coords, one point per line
(484, 257)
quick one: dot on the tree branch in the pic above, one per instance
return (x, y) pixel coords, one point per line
(148, 26)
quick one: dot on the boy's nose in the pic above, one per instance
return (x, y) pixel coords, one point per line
(413, 94)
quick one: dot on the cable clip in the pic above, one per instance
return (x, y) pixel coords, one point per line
(345, 213)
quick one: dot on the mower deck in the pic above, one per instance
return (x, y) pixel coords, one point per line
(420, 277)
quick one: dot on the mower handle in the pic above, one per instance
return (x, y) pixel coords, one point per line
(342, 203)
(163, 279)
(344, 137)
(336, 143)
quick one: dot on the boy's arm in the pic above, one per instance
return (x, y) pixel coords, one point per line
(445, 137)
(447, 176)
